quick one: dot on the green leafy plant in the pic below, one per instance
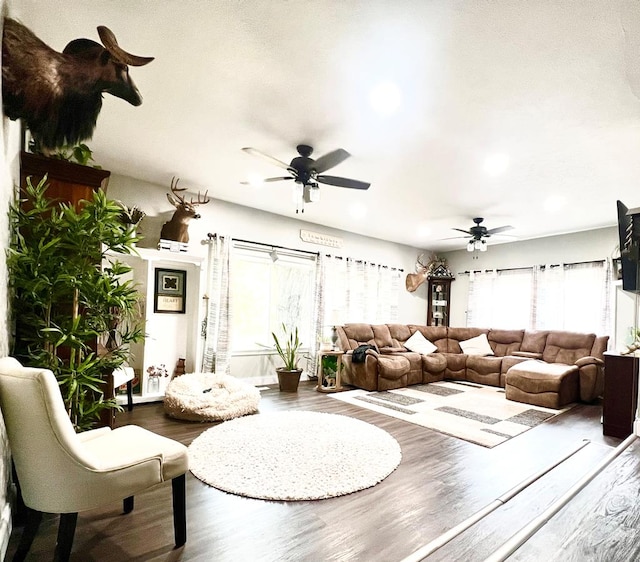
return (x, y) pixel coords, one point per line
(288, 349)
(330, 366)
(73, 312)
(78, 154)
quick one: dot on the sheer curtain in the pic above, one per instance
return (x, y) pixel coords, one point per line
(500, 299)
(574, 297)
(216, 353)
(359, 291)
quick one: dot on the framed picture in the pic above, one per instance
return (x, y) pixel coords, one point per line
(170, 291)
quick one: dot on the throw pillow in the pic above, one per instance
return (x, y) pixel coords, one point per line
(418, 343)
(477, 346)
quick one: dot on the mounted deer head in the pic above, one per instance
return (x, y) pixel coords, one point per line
(414, 280)
(177, 228)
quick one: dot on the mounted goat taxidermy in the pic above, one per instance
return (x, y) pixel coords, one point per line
(59, 95)
(177, 228)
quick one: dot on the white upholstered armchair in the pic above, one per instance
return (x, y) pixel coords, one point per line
(62, 472)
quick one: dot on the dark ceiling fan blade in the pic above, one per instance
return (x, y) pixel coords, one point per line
(499, 230)
(266, 180)
(256, 152)
(343, 182)
(465, 231)
(330, 160)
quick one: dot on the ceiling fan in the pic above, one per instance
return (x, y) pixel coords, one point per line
(307, 172)
(479, 233)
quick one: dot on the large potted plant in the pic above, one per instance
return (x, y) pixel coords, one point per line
(73, 311)
(288, 348)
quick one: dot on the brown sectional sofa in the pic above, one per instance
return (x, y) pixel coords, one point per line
(561, 367)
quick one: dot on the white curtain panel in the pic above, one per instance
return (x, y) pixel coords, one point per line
(573, 297)
(216, 355)
(359, 291)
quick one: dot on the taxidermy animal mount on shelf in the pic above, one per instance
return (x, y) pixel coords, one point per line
(177, 228)
(59, 95)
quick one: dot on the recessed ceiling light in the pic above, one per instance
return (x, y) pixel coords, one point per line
(385, 98)
(496, 164)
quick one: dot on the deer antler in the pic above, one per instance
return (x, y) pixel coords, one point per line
(174, 189)
(198, 202)
(420, 265)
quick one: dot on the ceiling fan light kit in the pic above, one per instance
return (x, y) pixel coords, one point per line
(307, 173)
(478, 235)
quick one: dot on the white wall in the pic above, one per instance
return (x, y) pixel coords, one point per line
(569, 248)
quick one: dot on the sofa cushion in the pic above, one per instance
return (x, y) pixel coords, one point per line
(382, 336)
(356, 334)
(456, 335)
(418, 343)
(393, 367)
(437, 335)
(484, 370)
(534, 341)
(505, 342)
(477, 346)
(567, 347)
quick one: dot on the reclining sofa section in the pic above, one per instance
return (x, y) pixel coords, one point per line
(544, 368)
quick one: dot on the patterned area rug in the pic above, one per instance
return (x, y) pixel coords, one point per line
(473, 412)
(294, 456)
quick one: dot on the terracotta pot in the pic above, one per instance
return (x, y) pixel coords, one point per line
(288, 380)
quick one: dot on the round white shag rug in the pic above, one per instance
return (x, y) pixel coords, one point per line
(209, 397)
(294, 456)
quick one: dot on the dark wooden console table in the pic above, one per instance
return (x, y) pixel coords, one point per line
(620, 394)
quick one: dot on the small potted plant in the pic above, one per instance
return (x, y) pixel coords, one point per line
(289, 374)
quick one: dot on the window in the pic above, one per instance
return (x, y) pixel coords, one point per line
(358, 291)
(571, 297)
(501, 299)
(264, 294)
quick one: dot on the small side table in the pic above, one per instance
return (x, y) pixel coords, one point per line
(327, 383)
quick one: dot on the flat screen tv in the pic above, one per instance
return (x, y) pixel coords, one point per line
(629, 244)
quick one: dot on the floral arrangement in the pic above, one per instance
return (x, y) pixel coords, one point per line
(157, 371)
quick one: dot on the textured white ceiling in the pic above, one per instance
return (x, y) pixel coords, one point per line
(553, 85)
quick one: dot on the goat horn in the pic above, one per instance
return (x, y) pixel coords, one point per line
(109, 41)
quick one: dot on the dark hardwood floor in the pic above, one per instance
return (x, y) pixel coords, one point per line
(440, 482)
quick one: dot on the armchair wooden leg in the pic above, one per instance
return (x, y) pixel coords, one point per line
(33, 519)
(127, 504)
(66, 531)
(178, 485)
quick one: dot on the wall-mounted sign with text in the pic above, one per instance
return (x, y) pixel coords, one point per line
(321, 239)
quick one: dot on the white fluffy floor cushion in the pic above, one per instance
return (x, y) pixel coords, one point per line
(210, 397)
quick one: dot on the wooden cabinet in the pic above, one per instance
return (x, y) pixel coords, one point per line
(620, 394)
(439, 291)
(68, 182)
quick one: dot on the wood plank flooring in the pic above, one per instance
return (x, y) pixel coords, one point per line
(440, 482)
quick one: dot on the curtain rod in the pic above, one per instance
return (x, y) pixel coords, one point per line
(543, 266)
(211, 236)
(401, 270)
